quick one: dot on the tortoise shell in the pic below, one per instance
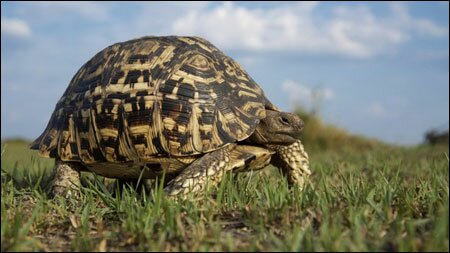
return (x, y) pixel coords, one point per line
(153, 96)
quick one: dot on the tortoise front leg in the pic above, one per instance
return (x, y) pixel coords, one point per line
(293, 162)
(207, 170)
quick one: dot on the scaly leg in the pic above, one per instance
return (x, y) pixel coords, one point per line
(66, 181)
(208, 169)
(293, 162)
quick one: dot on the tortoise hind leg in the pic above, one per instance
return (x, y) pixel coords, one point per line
(207, 170)
(66, 181)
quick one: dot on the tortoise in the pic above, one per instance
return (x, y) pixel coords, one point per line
(169, 105)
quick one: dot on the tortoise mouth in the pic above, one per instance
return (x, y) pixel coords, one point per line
(294, 133)
(286, 138)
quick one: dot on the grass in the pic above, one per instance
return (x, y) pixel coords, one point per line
(375, 199)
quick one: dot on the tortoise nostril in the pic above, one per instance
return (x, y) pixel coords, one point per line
(302, 124)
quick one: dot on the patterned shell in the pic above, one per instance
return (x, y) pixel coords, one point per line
(153, 97)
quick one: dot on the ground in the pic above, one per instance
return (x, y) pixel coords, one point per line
(380, 198)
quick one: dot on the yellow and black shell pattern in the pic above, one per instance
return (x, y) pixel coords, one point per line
(153, 97)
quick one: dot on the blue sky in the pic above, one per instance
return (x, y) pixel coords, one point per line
(381, 69)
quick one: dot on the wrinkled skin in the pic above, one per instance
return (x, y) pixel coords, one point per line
(278, 128)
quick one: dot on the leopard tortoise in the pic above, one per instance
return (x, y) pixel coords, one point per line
(170, 105)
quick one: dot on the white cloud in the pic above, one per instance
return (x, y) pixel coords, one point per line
(423, 26)
(307, 96)
(15, 27)
(155, 18)
(228, 24)
(357, 32)
(429, 28)
(351, 31)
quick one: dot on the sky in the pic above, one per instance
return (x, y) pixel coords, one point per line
(378, 69)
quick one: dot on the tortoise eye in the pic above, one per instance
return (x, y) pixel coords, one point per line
(284, 121)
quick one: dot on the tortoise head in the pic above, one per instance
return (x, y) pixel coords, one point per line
(279, 128)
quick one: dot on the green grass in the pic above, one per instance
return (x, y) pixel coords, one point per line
(378, 199)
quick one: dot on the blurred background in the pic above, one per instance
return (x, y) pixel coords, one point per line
(378, 70)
